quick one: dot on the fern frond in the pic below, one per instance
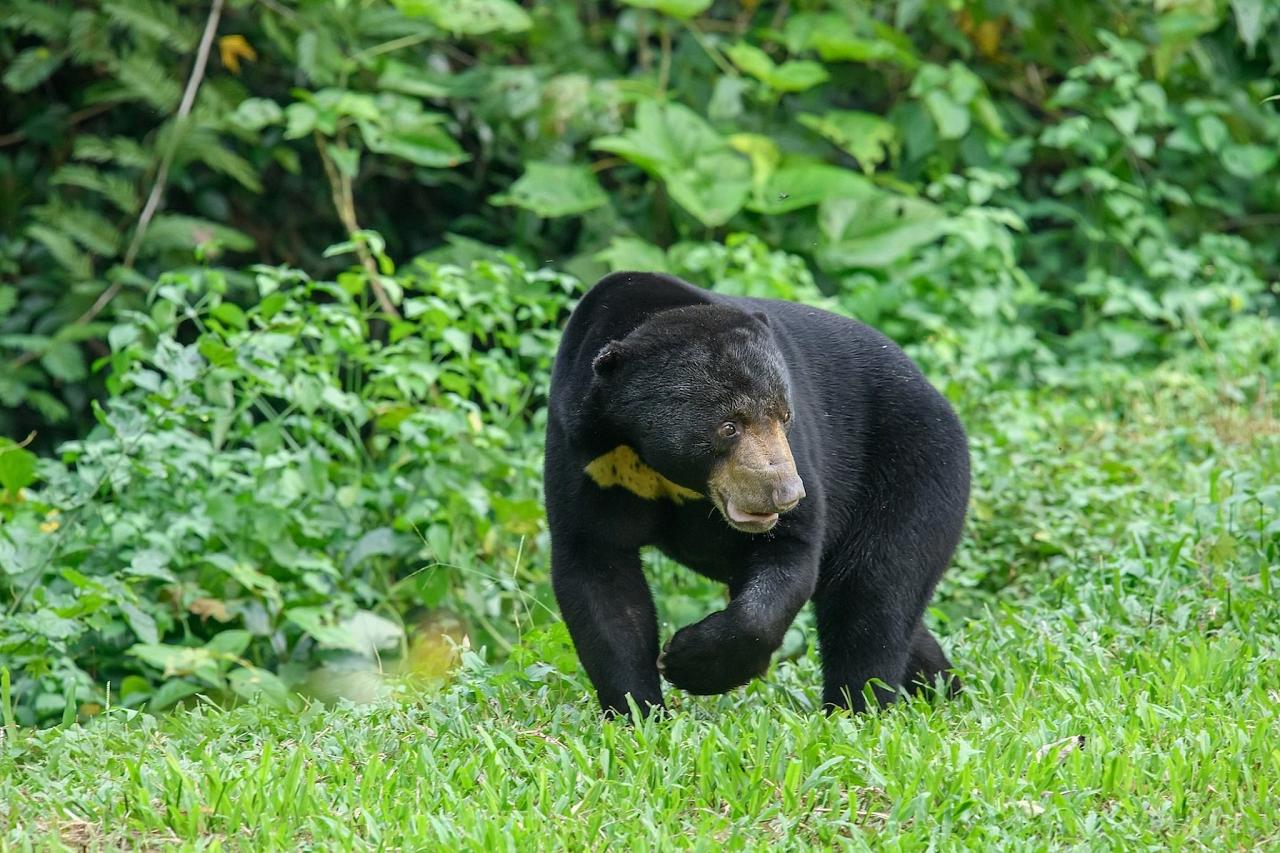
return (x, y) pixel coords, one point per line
(147, 80)
(32, 67)
(120, 150)
(89, 228)
(49, 406)
(153, 20)
(169, 232)
(204, 147)
(90, 39)
(117, 189)
(35, 18)
(62, 249)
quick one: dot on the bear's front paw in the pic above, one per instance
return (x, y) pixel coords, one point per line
(713, 656)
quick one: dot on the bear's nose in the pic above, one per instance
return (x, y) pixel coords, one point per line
(787, 493)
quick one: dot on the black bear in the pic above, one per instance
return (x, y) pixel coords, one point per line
(785, 451)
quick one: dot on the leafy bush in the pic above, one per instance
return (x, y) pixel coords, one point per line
(262, 481)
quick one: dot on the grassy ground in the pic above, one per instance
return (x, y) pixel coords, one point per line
(1114, 608)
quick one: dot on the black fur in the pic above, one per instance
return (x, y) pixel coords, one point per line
(882, 456)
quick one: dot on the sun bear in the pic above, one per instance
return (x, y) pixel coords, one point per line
(793, 454)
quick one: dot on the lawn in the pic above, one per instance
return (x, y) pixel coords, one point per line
(1113, 608)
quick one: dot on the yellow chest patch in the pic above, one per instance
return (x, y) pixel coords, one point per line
(622, 467)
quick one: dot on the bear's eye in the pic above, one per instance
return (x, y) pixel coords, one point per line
(728, 429)
(786, 416)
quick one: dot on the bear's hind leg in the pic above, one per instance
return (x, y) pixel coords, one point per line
(926, 662)
(873, 590)
(864, 635)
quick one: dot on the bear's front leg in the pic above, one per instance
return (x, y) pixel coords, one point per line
(609, 611)
(730, 647)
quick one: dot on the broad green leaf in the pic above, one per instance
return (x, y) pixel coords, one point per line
(413, 80)
(230, 315)
(469, 17)
(726, 98)
(763, 152)
(347, 160)
(301, 120)
(1249, 161)
(1213, 132)
(17, 467)
(378, 542)
(171, 692)
(665, 136)
(868, 138)
(800, 183)
(632, 253)
(180, 661)
(253, 114)
(701, 172)
(1125, 117)
(319, 623)
(142, 623)
(423, 143)
(372, 632)
(751, 60)
(875, 230)
(1177, 29)
(797, 76)
(250, 682)
(215, 351)
(836, 38)
(1248, 14)
(951, 118)
(553, 189)
(150, 563)
(713, 188)
(246, 575)
(229, 644)
(794, 76)
(682, 9)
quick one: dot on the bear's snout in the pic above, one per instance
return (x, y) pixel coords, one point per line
(788, 493)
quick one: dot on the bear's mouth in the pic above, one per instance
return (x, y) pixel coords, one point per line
(746, 521)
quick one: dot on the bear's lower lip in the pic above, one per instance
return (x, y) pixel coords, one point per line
(740, 516)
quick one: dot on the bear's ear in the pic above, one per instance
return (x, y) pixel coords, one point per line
(608, 359)
(761, 316)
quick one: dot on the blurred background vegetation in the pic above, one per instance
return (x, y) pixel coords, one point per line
(280, 281)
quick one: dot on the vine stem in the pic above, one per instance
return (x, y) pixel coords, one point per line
(162, 176)
(344, 202)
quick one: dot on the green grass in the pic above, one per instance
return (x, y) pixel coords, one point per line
(1114, 608)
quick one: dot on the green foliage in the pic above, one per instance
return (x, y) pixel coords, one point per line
(1130, 150)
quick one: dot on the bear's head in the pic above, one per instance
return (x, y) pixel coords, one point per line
(703, 396)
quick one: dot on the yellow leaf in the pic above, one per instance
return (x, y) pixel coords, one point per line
(234, 48)
(210, 607)
(985, 35)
